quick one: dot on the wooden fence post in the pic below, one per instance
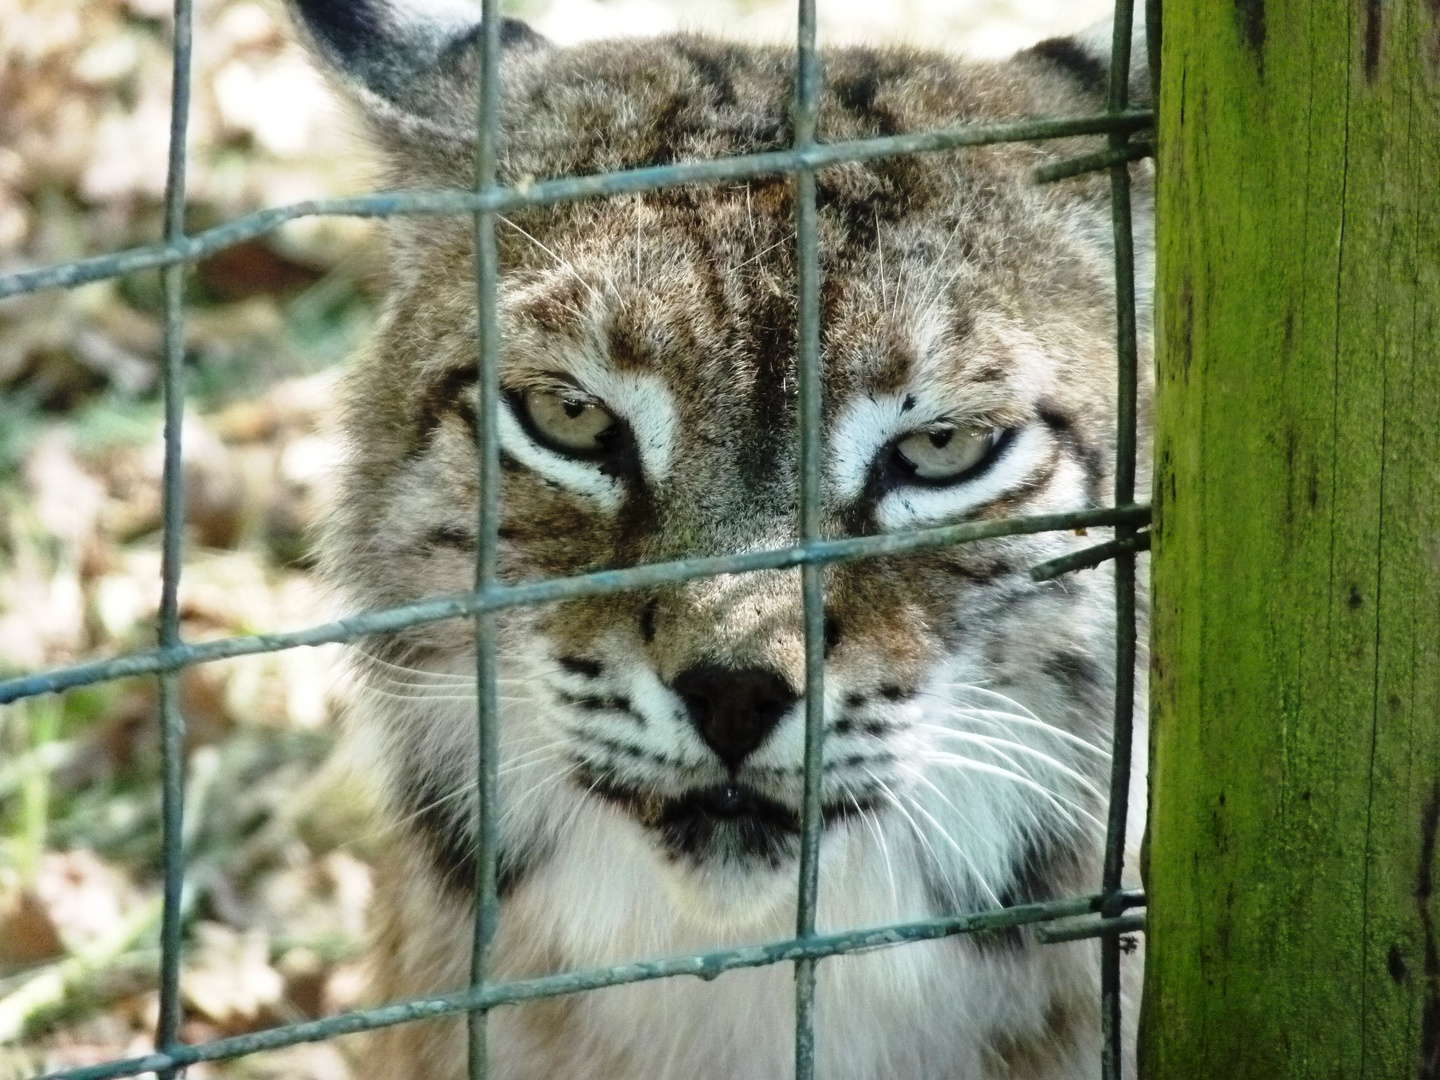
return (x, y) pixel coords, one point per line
(1294, 928)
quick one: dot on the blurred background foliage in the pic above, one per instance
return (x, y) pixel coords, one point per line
(281, 829)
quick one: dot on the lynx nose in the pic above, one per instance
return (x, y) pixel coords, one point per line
(733, 709)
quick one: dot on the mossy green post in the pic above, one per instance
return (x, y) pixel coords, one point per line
(1294, 928)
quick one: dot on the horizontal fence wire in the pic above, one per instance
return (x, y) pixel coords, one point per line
(1102, 159)
(553, 590)
(704, 966)
(568, 189)
(1089, 557)
(1080, 931)
(811, 555)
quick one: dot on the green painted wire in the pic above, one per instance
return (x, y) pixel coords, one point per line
(389, 204)
(804, 117)
(487, 644)
(172, 720)
(550, 590)
(493, 995)
(1111, 1057)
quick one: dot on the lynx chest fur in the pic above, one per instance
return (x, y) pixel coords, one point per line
(651, 742)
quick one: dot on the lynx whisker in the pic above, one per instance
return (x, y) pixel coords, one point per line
(899, 805)
(759, 254)
(561, 263)
(1018, 747)
(968, 764)
(1018, 715)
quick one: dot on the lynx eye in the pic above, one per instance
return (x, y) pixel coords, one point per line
(945, 452)
(569, 421)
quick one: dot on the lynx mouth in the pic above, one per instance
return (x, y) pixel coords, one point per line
(726, 822)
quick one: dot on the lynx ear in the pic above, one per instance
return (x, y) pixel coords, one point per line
(411, 65)
(1085, 57)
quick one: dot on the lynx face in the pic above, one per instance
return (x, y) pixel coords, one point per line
(652, 742)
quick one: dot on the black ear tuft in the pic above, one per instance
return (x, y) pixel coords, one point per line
(1085, 58)
(410, 63)
(1089, 70)
(346, 28)
(514, 34)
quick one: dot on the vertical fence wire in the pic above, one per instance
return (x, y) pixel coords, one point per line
(172, 720)
(487, 529)
(807, 86)
(1127, 367)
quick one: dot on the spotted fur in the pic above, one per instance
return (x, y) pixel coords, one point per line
(652, 741)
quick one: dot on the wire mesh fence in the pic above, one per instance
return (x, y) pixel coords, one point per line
(1106, 915)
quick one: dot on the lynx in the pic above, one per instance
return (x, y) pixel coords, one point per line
(651, 742)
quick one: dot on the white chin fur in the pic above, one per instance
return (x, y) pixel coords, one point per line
(728, 899)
